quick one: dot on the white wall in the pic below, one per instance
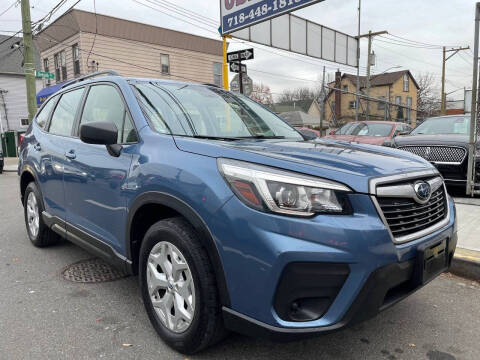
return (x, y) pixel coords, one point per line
(15, 107)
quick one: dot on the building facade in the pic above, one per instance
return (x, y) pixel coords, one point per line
(13, 91)
(395, 98)
(80, 42)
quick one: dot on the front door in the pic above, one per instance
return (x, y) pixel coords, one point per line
(94, 180)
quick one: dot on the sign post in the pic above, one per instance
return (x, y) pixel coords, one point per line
(238, 14)
(235, 59)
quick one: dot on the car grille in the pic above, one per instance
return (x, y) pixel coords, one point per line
(405, 216)
(445, 154)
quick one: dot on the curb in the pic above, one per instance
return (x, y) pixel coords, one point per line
(466, 264)
(9, 169)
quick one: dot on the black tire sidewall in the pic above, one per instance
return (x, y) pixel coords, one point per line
(32, 188)
(188, 341)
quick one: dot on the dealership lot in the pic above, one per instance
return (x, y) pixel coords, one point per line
(45, 316)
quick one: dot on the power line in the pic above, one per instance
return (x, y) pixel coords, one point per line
(96, 31)
(405, 44)
(9, 7)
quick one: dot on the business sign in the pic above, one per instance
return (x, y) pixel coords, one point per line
(238, 14)
(240, 55)
(235, 67)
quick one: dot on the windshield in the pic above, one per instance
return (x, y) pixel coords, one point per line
(373, 129)
(444, 125)
(346, 129)
(193, 110)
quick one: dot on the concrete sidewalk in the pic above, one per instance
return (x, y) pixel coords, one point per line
(466, 262)
(10, 164)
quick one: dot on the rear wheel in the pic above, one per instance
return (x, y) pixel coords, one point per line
(178, 287)
(40, 235)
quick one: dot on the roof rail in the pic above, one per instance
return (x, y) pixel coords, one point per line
(82, 78)
(208, 84)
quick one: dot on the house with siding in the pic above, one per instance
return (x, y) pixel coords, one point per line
(13, 93)
(394, 93)
(80, 42)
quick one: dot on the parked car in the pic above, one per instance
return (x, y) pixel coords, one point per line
(370, 132)
(309, 133)
(1, 160)
(444, 142)
(231, 219)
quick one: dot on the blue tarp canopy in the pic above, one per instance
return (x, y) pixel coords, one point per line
(43, 94)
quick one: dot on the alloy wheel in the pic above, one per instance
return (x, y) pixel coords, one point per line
(171, 287)
(33, 216)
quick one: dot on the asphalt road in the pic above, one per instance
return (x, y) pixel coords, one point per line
(43, 316)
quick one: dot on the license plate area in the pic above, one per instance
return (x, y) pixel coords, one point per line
(432, 260)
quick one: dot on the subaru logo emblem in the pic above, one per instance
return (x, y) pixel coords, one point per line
(422, 191)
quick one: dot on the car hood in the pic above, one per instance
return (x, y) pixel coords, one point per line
(350, 163)
(448, 139)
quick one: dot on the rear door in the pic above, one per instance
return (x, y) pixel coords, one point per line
(94, 186)
(51, 148)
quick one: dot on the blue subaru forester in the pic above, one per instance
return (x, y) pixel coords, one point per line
(231, 219)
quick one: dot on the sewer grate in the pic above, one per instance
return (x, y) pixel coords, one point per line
(92, 271)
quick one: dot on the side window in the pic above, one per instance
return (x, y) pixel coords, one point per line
(64, 115)
(42, 116)
(104, 103)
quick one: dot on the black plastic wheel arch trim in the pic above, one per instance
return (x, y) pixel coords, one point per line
(181, 207)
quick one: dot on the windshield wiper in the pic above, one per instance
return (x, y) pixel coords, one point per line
(224, 138)
(262, 137)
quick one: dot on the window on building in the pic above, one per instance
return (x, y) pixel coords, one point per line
(63, 64)
(56, 60)
(345, 87)
(405, 82)
(351, 104)
(381, 103)
(165, 63)
(24, 122)
(46, 69)
(64, 115)
(76, 60)
(104, 103)
(217, 74)
(60, 66)
(409, 108)
(398, 101)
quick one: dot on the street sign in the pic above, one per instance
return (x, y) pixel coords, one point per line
(246, 54)
(235, 67)
(44, 75)
(247, 84)
(238, 14)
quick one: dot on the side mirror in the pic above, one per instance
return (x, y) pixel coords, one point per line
(331, 132)
(101, 133)
(308, 135)
(404, 133)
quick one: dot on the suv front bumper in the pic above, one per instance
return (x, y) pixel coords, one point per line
(256, 248)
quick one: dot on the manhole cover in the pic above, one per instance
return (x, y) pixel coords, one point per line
(92, 271)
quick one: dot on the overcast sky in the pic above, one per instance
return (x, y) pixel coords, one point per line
(438, 22)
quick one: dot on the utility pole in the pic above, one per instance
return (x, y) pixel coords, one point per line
(29, 61)
(445, 58)
(357, 102)
(370, 36)
(473, 114)
(322, 105)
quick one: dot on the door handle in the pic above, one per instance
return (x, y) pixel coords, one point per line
(37, 147)
(71, 154)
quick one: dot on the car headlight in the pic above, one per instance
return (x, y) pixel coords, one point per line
(266, 188)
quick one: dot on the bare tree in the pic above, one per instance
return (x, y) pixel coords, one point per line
(298, 94)
(427, 99)
(262, 94)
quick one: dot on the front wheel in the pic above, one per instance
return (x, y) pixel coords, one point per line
(178, 287)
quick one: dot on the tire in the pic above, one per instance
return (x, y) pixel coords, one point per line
(43, 236)
(206, 325)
